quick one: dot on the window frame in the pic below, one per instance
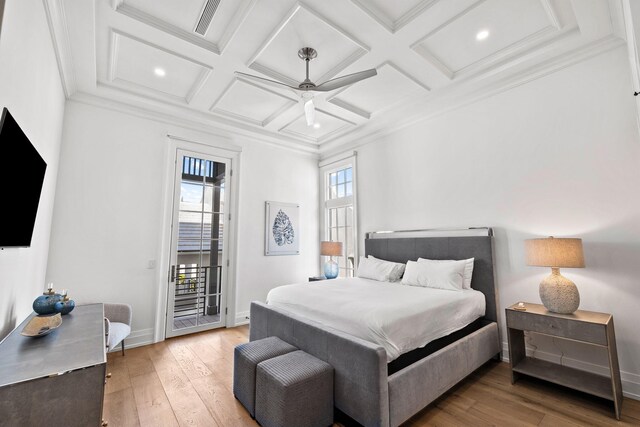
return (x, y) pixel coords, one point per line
(326, 203)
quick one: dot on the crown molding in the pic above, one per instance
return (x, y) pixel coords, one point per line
(234, 24)
(351, 108)
(394, 25)
(550, 10)
(196, 121)
(433, 61)
(497, 70)
(535, 42)
(550, 34)
(289, 103)
(325, 137)
(334, 99)
(226, 143)
(452, 101)
(470, 84)
(619, 18)
(448, 22)
(57, 20)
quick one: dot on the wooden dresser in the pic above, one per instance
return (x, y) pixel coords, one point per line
(57, 379)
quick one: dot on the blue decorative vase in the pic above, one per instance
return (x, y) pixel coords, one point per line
(65, 306)
(331, 269)
(46, 304)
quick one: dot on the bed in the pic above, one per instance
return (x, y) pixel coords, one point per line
(397, 317)
(378, 382)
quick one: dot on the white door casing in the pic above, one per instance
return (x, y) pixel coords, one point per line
(226, 153)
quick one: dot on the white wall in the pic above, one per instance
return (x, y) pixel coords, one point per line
(30, 87)
(275, 175)
(108, 216)
(558, 156)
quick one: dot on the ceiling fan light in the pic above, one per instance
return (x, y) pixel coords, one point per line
(309, 112)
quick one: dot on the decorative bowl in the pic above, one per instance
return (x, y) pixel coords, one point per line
(41, 325)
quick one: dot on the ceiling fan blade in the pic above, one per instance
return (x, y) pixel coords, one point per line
(310, 112)
(347, 80)
(266, 81)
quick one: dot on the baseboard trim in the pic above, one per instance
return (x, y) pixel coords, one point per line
(137, 339)
(630, 381)
(242, 318)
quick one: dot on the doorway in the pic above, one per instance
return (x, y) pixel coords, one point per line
(199, 255)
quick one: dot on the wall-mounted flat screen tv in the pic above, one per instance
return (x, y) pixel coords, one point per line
(22, 172)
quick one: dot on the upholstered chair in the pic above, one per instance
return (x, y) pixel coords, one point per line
(117, 324)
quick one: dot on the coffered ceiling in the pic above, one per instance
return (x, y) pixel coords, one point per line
(176, 59)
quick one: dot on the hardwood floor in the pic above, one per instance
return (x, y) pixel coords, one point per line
(186, 381)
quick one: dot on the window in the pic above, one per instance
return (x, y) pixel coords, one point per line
(338, 182)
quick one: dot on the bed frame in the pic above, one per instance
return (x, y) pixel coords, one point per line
(364, 387)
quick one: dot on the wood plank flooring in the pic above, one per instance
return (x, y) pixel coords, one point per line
(187, 381)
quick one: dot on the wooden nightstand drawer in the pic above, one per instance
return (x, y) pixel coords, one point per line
(558, 326)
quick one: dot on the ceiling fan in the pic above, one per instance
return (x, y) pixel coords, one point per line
(306, 88)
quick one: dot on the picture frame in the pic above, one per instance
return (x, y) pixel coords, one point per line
(282, 228)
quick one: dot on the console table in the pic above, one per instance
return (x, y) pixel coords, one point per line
(583, 326)
(57, 379)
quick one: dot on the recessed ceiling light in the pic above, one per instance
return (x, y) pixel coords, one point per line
(482, 35)
(160, 72)
(316, 125)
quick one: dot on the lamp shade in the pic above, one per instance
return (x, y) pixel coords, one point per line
(331, 248)
(552, 252)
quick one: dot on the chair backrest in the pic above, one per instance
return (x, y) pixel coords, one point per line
(121, 313)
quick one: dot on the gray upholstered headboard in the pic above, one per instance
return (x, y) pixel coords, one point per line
(393, 247)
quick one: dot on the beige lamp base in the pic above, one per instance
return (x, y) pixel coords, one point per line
(559, 294)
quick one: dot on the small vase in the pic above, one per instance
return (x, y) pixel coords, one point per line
(331, 269)
(66, 306)
(46, 304)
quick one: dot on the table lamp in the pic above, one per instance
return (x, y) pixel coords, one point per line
(330, 249)
(558, 294)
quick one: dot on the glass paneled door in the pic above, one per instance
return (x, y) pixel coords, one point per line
(197, 280)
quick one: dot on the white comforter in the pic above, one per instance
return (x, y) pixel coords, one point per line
(400, 318)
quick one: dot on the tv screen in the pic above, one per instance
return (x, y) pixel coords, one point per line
(21, 177)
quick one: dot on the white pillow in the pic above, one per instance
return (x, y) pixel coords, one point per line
(437, 275)
(374, 269)
(398, 268)
(468, 269)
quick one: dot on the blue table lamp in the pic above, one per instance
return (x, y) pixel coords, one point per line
(331, 249)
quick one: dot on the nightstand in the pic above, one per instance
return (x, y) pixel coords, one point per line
(583, 326)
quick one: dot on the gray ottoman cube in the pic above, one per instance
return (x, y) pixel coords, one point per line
(295, 389)
(245, 359)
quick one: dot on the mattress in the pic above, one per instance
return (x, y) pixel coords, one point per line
(399, 318)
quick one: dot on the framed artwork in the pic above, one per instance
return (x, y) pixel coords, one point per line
(282, 230)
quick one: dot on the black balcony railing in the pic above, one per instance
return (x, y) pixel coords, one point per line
(197, 290)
